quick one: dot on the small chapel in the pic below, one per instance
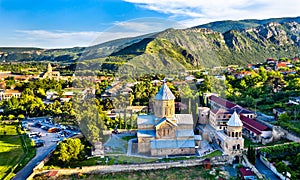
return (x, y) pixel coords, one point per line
(165, 133)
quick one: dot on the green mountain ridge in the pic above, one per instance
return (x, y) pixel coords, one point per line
(238, 42)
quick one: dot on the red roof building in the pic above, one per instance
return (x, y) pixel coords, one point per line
(253, 125)
(246, 173)
(220, 103)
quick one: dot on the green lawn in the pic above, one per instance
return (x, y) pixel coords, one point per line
(213, 154)
(12, 150)
(112, 159)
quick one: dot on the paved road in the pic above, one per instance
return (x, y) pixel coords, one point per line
(41, 153)
(265, 170)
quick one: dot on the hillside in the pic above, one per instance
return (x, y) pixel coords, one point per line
(247, 41)
(208, 48)
(223, 26)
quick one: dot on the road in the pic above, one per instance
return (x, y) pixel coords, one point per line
(41, 153)
(265, 170)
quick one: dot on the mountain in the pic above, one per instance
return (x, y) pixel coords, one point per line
(223, 26)
(207, 48)
(213, 44)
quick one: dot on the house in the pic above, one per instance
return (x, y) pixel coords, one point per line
(278, 111)
(9, 93)
(255, 130)
(246, 173)
(165, 133)
(294, 100)
(203, 115)
(220, 103)
(270, 61)
(222, 110)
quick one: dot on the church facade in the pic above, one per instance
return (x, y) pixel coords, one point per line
(164, 132)
(50, 73)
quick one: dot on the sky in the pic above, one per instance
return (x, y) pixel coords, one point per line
(70, 23)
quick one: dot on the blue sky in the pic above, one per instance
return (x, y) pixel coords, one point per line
(69, 23)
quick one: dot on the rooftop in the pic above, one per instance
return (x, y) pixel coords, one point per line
(146, 133)
(159, 144)
(246, 172)
(253, 125)
(145, 119)
(222, 102)
(235, 120)
(184, 119)
(164, 93)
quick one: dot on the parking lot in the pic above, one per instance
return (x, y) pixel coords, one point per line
(49, 139)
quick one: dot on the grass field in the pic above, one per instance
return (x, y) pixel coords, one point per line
(112, 159)
(12, 150)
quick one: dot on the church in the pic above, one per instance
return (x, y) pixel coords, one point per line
(50, 73)
(165, 133)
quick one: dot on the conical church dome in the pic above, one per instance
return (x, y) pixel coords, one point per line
(164, 93)
(235, 120)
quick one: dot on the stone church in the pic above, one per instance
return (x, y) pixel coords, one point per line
(164, 132)
(50, 73)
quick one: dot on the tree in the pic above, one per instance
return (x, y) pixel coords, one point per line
(284, 117)
(21, 116)
(11, 117)
(68, 150)
(251, 154)
(90, 119)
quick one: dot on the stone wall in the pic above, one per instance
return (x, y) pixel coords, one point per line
(172, 151)
(137, 167)
(252, 167)
(272, 168)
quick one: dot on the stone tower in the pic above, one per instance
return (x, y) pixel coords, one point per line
(49, 68)
(234, 131)
(164, 103)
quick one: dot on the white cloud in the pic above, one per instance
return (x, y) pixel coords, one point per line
(62, 39)
(195, 12)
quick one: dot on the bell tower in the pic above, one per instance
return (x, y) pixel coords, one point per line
(49, 68)
(164, 103)
(234, 132)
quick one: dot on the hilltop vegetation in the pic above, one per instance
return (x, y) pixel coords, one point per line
(224, 26)
(226, 42)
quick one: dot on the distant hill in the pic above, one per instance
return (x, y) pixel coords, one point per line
(208, 45)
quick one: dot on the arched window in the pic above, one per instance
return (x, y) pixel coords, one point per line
(233, 147)
(236, 134)
(240, 134)
(232, 134)
(238, 146)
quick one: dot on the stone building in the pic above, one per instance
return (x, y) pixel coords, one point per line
(50, 73)
(9, 93)
(231, 141)
(164, 132)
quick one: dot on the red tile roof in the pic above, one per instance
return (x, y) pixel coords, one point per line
(246, 172)
(222, 102)
(52, 173)
(253, 125)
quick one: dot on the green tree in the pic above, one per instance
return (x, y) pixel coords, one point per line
(251, 154)
(69, 150)
(21, 116)
(284, 117)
